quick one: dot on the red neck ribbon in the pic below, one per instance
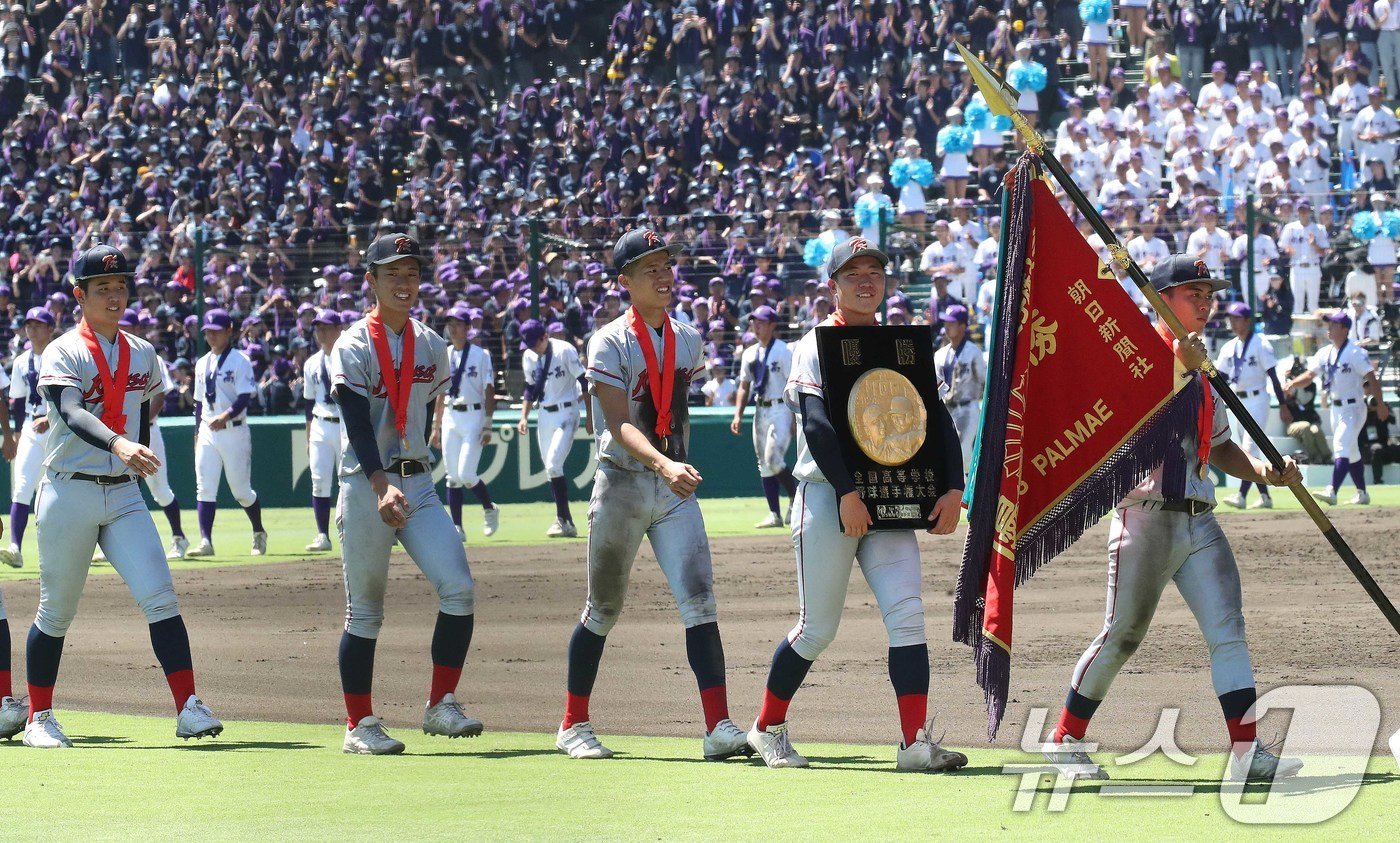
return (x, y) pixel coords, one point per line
(1205, 419)
(398, 381)
(661, 378)
(113, 385)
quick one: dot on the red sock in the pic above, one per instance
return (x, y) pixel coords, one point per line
(1242, 731)
(181, 686)
(575, 709)
(444, 682)
(715, 701)
(5, 688)
(40, 699)
(357, 708)
(913, 714)
(774, 710)
(1074, 727)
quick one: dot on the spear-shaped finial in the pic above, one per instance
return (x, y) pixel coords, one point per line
(1001, 98)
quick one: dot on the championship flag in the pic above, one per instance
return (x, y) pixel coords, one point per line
(1083, 400)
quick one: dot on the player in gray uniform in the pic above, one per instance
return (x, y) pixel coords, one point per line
(223, 444)
(554, 382)
(763, 373)
(322, 425)
(28, 411)
(640, 367)
(462, 423)
(388, 370)
(1165, 531)
(89, 495)
(962, 373)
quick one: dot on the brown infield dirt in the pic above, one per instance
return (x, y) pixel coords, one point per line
(265, 639)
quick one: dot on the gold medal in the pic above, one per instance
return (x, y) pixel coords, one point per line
(888, 418)
(665, 443)
(1202, 470)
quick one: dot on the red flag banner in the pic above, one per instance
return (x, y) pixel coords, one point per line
(1083, 401)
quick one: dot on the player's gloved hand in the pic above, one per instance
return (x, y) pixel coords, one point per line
(680, 477)
(855, 517)
(393, 506)
(946, 512)
(1291, 473)
(136, 456)
(1191, 350)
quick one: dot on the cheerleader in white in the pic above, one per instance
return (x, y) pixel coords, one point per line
(1029, 77)
(954, 143)
(911, 173)
(871, 206)
(1096, 14)
(1379, 229)
(987, 129)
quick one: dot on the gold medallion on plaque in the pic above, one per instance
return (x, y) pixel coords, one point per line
(888, 417)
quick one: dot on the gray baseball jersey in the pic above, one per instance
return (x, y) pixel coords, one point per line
(232, 379)
(316, 386)
(561, 381)
(805, 377)
(67, 362)
(355, 364)
(615, 359)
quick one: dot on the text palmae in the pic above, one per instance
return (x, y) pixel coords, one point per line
(1071, 438)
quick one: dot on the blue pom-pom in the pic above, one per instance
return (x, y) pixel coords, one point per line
(869, 208)
(1365, 226)
(975, 117)
(1001, 123)
(1028, 76)
(1095, 11)
(955, 139)
(899, 172)
(921, 171)
(815, 253)
(1390, 224)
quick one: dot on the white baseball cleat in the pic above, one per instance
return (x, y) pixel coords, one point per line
(773, 520)
(924, 754)
(561, 529)
(259, 544)
(579, 741)
(321, 544)
(1361, 498)
(1327, 496)
(197, 721)
(43, 732)
(369, 738)
(12, 557)
(204, 548)
(13, 713)
(179, 546)
(492, 520)
(1258, 764)
(725, 741)
(448, 719)
(1236, 501)
(773, 746)
(1073, 761)
(1264, 502)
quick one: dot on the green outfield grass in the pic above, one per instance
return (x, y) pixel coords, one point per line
(129, 778)
(290, 529)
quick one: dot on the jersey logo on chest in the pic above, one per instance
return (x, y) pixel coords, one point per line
(135, 382)
(421, 374)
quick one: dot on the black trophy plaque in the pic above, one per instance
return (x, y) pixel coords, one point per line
(881, 390)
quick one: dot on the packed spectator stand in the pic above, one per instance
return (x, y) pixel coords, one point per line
(250, 151)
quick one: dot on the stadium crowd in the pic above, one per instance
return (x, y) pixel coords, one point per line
(275, 140)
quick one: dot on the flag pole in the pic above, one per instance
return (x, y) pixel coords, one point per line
(1001, 99)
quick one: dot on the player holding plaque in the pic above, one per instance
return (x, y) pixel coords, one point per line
(891, 423)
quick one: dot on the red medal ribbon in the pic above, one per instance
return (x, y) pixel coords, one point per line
(661, 378)
(398, 382)
(113, 397)
(1205, 419)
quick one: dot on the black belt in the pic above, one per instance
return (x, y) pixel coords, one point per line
(550, 408)
(1190, 506)
(768, 402)
(238, 423)
(331, 419)
(1336, 403)
(1244, 393)
(465, 406)
(104, 479)
(406, 468)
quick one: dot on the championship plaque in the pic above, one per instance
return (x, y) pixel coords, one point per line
(880, 390)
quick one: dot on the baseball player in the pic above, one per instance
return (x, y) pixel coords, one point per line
(388, 371)
(322, 425)
(640, 367)
(29, 413)
(1347, 378)
(1165, 531)
(1304, 242)
(1248, 361)
(224, 445)
(763, 373)
(831, 532)
(462, 421)
(89, 496)
(962, 372)
(554, 379)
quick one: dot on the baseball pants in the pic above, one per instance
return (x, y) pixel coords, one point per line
(159, 483)
(1147, 548)
(74, 518)
(555, 432)
(28, 468)
(1347, 421)
(965, 420)
(429, 538)
(230, 452)
(462, 448)
(1258, 407)
(1306, 282)
(323, 446)
(772, 432)
(3, 616)
(627, 505)
(888, 560)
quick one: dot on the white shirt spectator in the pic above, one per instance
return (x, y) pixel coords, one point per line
(1210, 246)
